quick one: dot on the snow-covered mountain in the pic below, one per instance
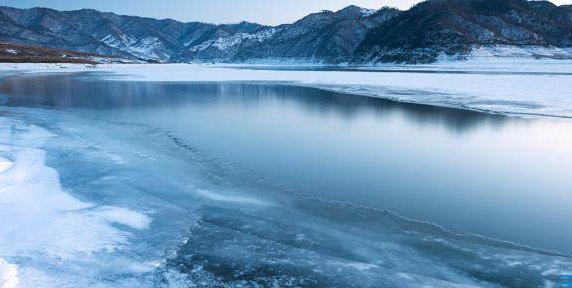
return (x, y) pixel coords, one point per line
(457, 29)
(106, 33)
(434, 29)
(325, 37)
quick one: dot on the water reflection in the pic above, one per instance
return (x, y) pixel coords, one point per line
(78, 91)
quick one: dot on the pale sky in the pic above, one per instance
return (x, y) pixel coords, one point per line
(270, 12)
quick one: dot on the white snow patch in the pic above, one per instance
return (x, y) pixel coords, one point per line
(122, 216)
(5, 164)
(499, 53)
(358, 265)
(144, 48)
(489, 51)
(229, 198)
(224, 43)
(117, 159)
(8, 274)
(367, 12)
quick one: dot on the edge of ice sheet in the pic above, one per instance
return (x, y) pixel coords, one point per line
(41, 225)
(511, 86)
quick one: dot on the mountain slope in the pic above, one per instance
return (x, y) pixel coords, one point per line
(431, 30)
(104, 33)
(326, 37)
(15, 53)
(454, 27)
(329, 37)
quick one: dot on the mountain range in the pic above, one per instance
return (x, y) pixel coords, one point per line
(431, 30)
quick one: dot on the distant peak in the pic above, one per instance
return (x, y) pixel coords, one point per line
(353, 9)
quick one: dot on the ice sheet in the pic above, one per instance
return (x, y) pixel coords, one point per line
(49, 229)
(42, 225)
(57, 240)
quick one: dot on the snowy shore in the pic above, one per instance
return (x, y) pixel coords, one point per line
(504, 86)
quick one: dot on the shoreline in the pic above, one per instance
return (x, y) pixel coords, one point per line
(529, 89)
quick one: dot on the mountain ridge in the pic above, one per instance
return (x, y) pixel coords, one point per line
(453, 27)
(430, 30)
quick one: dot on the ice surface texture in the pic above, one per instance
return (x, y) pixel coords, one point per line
(42, 225)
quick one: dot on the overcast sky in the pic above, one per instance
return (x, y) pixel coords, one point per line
(216, 11)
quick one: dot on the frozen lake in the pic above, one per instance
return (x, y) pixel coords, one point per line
(250, 183)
